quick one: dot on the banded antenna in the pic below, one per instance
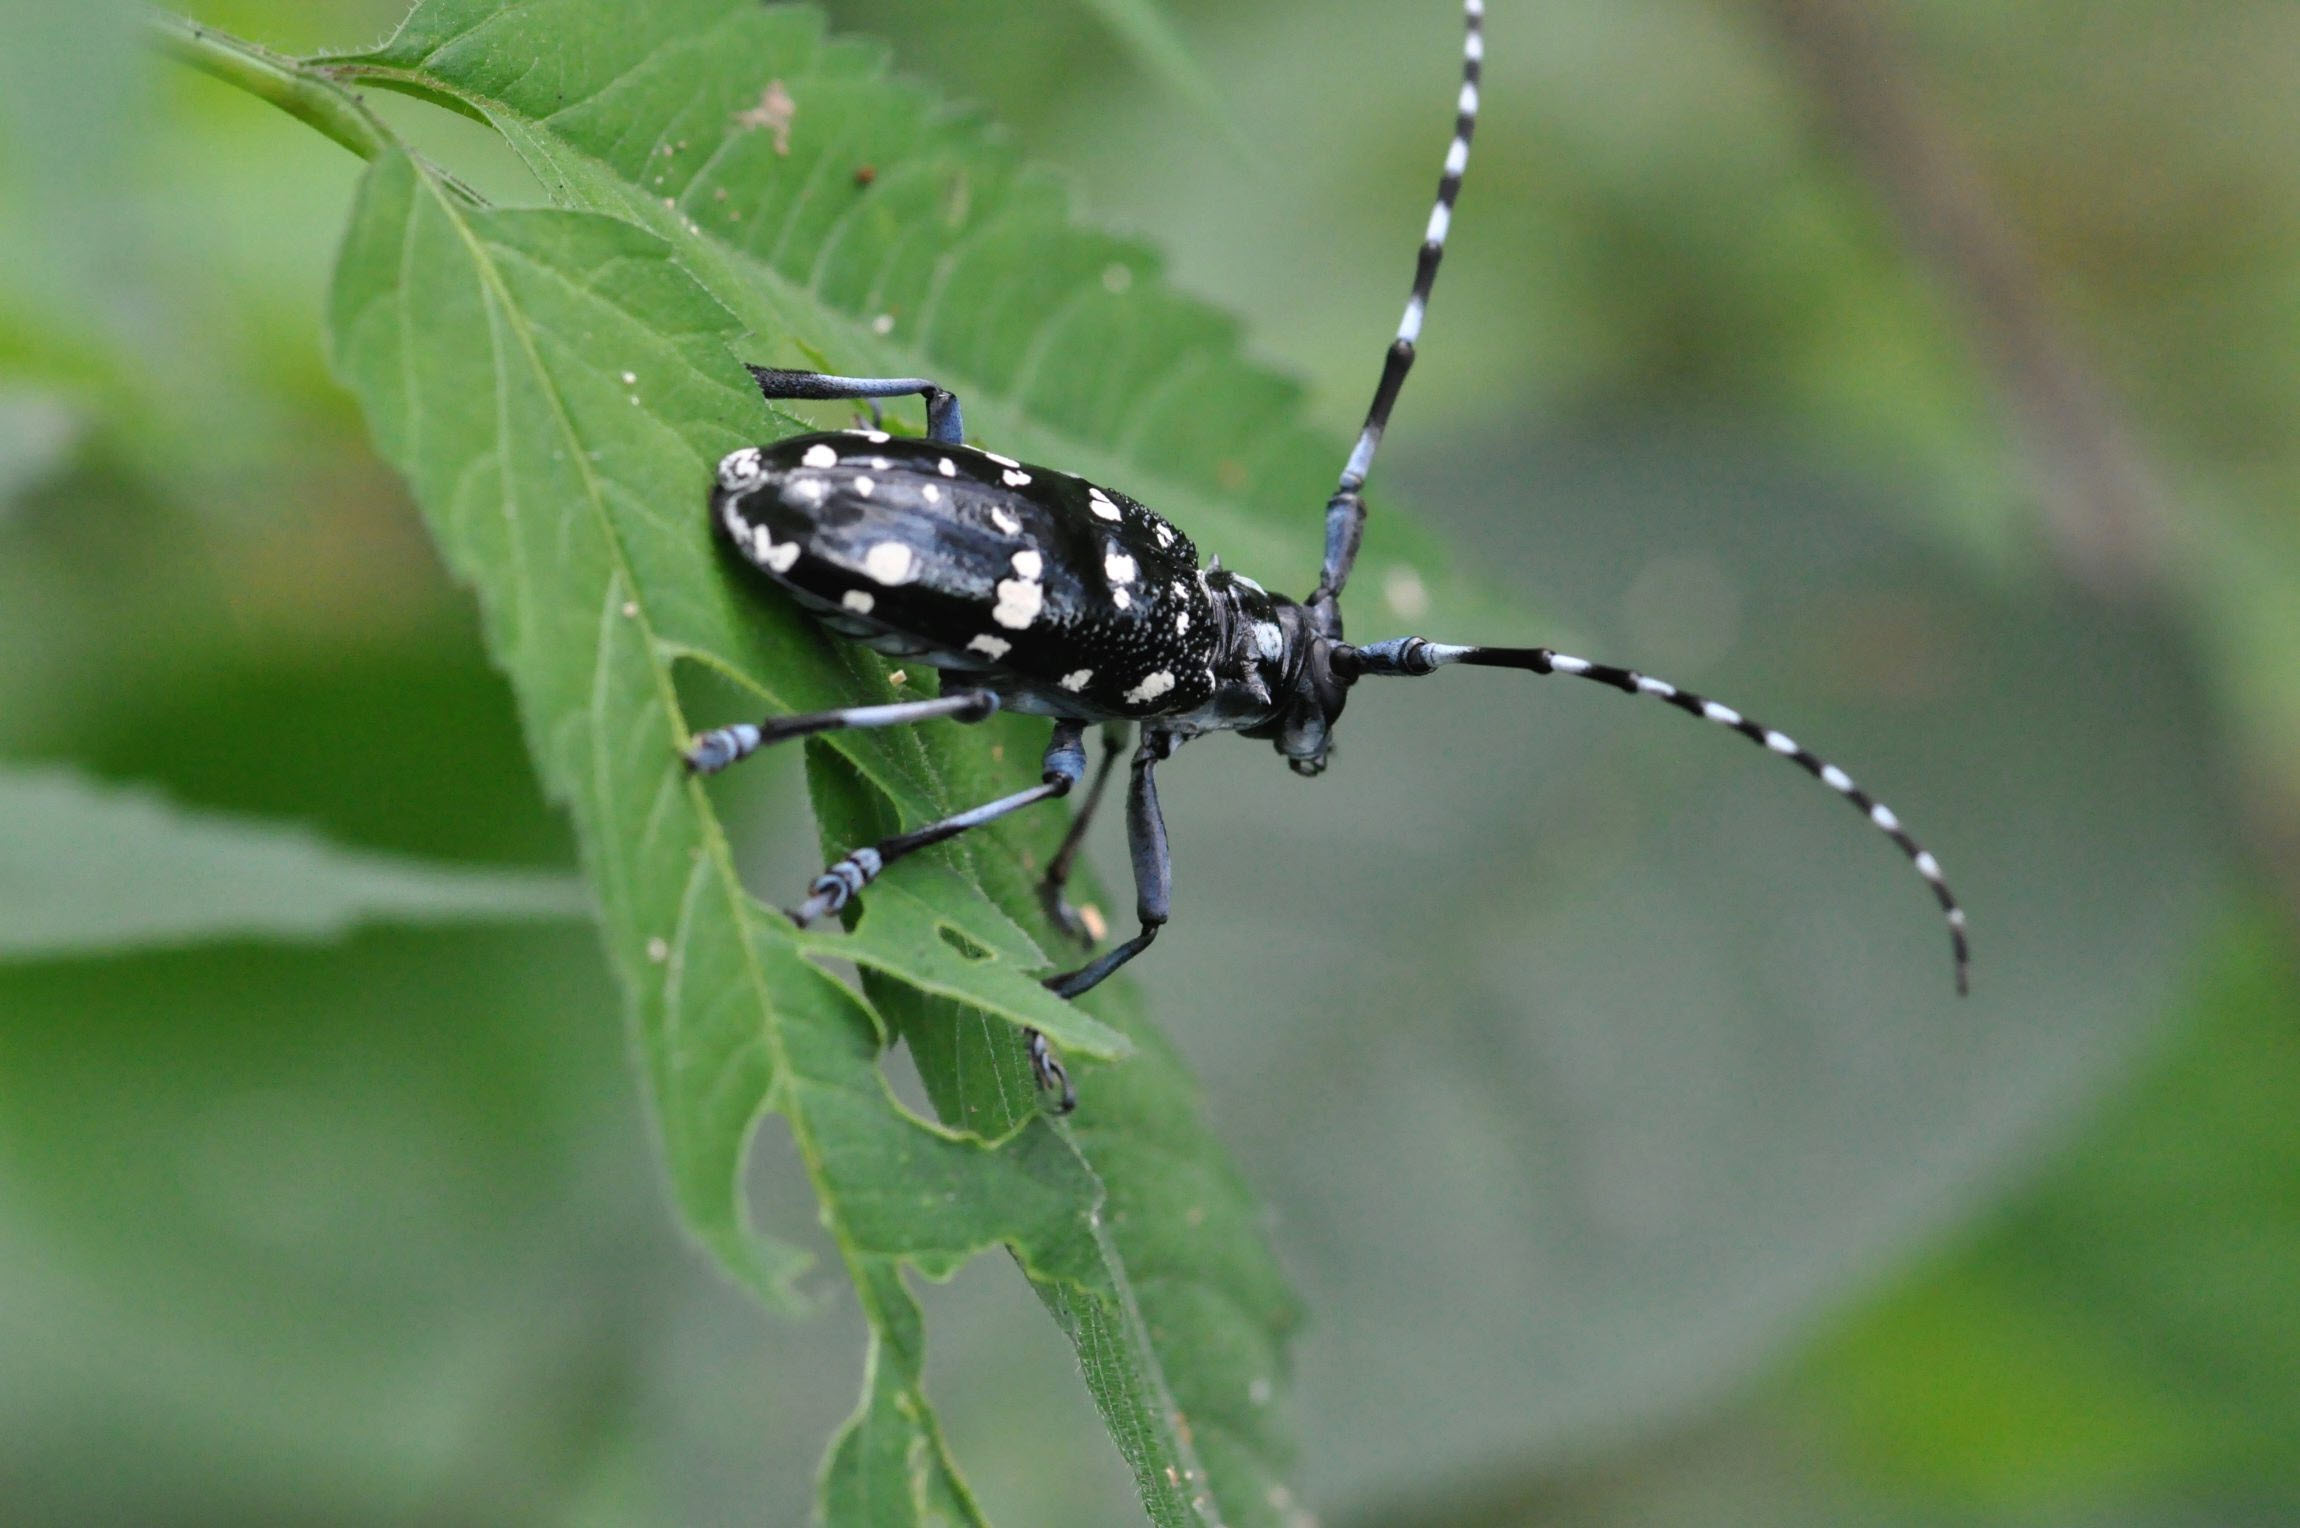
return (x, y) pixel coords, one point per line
(1346, 510)
(1412, 657)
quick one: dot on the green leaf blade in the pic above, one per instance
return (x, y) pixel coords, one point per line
(740, 153)
(88, 868)
(556, 494)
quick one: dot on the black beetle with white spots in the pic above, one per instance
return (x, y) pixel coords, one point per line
(1033, 590)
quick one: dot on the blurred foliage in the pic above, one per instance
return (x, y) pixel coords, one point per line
(1605, 1093)
(2127, 1328)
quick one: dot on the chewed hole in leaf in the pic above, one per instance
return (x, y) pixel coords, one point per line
(958, 941)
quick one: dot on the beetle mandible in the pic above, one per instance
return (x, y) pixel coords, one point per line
(1033, 590)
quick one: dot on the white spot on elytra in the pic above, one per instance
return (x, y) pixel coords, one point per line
(812, 489)
(1019, 601)
(1268, 640)
(947, 467)
(931, 494)
(1028, 563)
(1181, 622)
(1165, 533)
(1005, 521)
(739, 469)
(1119, 568)
(1181, 589)
(1003, 461)
(989, 646)
(778, 556)
(1101, 505)
(858, 600)
(890, 562)
(1015, 478)
(865, 486)
(1075, 680)
(879, 464)
(820, 456)
(1152, 686)
(875, 437)
(1122, 599)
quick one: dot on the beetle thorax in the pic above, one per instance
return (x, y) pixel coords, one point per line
(1273, 679)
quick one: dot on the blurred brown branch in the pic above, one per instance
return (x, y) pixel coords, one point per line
(2103, 506)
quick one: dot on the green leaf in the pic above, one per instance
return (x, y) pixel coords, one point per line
(2125, 1328)
(37, 433)
(555, 385)
(1063, 342)
(87, 867)
(1147, 33)
(953, 263)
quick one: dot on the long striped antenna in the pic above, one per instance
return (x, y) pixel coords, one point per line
(1415, 656)
(1346, 510)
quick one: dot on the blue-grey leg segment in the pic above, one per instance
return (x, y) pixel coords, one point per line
(716, 749)
(1064, 765)
(1047, 1070)
(1153, 869)
(1050, 889)
(943, 421)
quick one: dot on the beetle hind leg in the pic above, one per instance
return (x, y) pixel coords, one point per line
(723, 747)
(943, 420)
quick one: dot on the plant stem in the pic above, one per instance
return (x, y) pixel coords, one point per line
(294, 87)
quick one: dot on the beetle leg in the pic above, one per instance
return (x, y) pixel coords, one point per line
(943, 421)
(720, 747)
(1065, 764)
(1153, 869)
(1050, 889)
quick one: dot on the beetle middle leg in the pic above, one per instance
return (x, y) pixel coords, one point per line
(1153, 868)
(1064, 766)
(1057, 877)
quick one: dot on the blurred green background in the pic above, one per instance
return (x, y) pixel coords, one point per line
(1924, 388)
